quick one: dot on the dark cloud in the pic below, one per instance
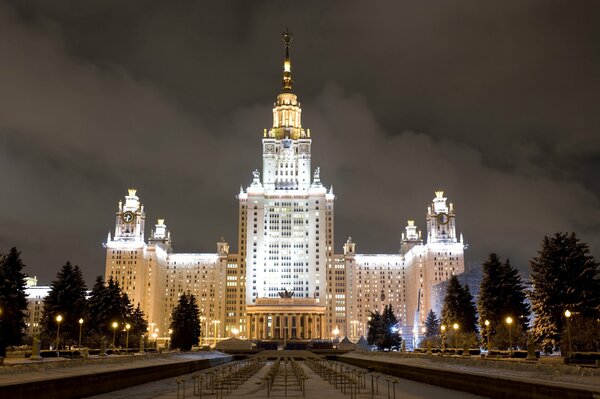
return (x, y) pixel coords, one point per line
(495, 103)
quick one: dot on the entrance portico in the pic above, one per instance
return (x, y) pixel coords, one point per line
(285, 318)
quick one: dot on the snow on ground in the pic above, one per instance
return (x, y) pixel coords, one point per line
(508, 368)
(25, 370)
(316, 387)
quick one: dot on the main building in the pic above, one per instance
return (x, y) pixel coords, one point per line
(286, 282)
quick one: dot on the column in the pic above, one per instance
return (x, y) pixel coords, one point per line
(247, 333)
(264, 316)
(313, 327)
(289, 326)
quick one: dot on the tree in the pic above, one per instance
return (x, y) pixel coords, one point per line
(13, 300)
(432, 326)
(66, 298)
(108, 304)
(459, 307)
(501, 294)
(383, 329)
(185, 323)
(139, 325)
(564, 276)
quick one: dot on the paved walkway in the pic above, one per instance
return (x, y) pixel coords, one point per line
(316, 387)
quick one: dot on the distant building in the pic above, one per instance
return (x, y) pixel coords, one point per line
(286, 281)
(35, 305)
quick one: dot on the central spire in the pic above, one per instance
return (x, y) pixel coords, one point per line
(287, 65)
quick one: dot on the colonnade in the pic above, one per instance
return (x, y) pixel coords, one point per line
(282, 325)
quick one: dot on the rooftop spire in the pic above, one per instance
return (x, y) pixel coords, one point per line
(287, 65)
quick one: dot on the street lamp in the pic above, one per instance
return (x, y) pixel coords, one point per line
(114, 326)
(127, 327)
(155, 335)
(202, 320)
(509, 321)
(58, 320)
(235, 331)
(443, 338)
(169, 339)
(487, 330)
(80, 328)
(568, 316)
(216, 323)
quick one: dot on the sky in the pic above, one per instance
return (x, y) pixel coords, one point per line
(496, 103)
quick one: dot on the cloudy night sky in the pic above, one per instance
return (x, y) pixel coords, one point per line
(494, 102)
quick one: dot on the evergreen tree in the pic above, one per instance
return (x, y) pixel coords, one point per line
(185, 323)
(13, 300)
(490, 301)
(139, 326)
(564, 276)
(95, 315)
(383, 329)
(432, 326)
(502, 294)
(108, 304)
(374, 328)
(66, 298)
(459, 307)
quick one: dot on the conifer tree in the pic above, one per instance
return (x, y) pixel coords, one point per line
(185, 323)
(383, 329)
(67, 299)
(13, 300)
(459, 307)
(374, 328)
(564, 276)
(432, 326)
(501, 294)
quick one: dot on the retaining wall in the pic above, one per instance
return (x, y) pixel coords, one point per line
(102, 382)
(478, 383)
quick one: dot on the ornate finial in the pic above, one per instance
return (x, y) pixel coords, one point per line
(161, 222)
(287, 36)
(285, 294)
(287, 65)
(439, 193)
(132, 192)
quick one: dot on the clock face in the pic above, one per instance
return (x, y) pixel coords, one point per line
(128, 217)
(443, 218)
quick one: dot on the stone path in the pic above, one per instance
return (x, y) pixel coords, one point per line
(316, 387)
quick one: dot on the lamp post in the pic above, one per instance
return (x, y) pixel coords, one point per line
(568, 316)
(155, 336)
(80, 329)
(354, 323)
(455, 326)
(443, 327)
(114, 326)
(509, 321)
(216, 323)
(169, 339)
(235, 331)
(487, 331)
(58, 320)
(202, 320)
(335, 332)
(127, 327)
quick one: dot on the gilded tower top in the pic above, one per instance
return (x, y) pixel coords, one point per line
(287, 65)
(286, 111)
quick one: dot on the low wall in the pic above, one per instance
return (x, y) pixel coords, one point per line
(476, 383)
(102, 382)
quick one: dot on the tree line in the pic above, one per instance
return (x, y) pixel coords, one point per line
(564, 277)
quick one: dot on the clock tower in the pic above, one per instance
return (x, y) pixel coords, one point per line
(441, 226)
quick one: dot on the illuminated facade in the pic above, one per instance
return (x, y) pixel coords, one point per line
(285, 241)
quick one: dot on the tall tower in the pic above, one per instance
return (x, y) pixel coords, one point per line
(441, 226)
(125, 252)
(286, 219)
